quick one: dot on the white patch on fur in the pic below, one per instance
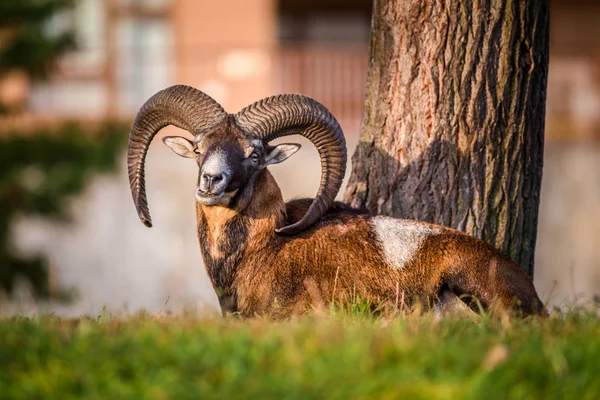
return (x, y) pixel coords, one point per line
(401, 238)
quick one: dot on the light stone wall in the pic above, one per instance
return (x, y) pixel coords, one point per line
(567, 264)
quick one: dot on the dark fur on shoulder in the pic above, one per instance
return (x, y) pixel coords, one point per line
(296, 208)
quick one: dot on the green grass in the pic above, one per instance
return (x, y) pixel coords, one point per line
(340, 357)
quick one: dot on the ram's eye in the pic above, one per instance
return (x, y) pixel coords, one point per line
(197, 152)
(254, 157)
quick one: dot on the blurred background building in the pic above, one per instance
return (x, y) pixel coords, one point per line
(239, 51)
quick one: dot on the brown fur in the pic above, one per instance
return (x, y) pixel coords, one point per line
(256, 272)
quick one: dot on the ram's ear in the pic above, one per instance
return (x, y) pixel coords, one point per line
(180, 145)
(279, 153)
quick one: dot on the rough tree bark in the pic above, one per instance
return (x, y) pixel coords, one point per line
(453, 126)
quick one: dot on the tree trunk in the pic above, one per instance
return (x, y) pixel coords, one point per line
(453, 126)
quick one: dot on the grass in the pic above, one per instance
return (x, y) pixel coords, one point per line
(340, 357)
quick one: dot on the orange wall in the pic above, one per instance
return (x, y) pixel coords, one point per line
(223, 47)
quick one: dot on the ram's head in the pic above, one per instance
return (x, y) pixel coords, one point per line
(231, 149)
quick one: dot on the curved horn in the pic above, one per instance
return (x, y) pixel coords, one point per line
(292, 114)
(182, 106)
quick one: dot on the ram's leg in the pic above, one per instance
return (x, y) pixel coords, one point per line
(448, 303)
(479, 275)
(495, 282)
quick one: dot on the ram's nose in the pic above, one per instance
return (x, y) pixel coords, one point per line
(212, 180)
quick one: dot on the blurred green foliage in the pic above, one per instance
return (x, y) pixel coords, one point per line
(38, 172)
(413, 357)
(28, 43)
(31, 39)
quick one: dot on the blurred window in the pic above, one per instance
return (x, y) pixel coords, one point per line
(323, 53)
(145, 60)
(124, 55)
(76, 90)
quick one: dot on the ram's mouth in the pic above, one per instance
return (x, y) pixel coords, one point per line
(208, 199)
(211, 199)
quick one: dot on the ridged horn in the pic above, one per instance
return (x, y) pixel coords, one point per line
(293, 114)
(182, 106)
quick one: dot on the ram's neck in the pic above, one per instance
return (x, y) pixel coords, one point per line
(225, 234)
